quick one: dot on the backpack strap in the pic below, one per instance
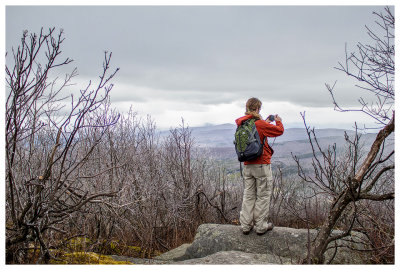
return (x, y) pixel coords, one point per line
(270, 148)
(253, 133)
(267, 146)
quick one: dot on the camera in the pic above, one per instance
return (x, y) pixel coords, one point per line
(271, 118)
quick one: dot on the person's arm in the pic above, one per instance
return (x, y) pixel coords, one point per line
(271, 130)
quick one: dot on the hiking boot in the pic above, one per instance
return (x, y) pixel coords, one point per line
(247, 231)
(270, 226)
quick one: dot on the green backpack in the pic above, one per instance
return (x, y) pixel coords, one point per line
(247, 141)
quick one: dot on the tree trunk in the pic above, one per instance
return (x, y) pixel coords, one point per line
(323, 238)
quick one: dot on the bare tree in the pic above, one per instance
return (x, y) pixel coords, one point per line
(373, 67)
(74, 170)
(354, 178)
(45, 178)
(346, 180)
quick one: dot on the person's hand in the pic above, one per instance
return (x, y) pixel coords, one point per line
(278, 118)
(268, 120)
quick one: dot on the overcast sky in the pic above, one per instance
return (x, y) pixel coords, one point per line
(203, 62)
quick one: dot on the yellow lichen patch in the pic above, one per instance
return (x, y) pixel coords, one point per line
(86, 258)
(78, 243)
(132, 251)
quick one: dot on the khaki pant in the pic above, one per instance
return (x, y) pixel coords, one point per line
(256, 197)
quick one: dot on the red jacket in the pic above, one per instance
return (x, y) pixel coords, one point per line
(265, 130)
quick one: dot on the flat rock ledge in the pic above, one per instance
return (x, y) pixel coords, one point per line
(226, 244)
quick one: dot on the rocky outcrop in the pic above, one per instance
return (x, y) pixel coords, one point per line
(225, 244)
(237, 257)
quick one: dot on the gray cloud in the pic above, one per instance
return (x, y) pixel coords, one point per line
(207, 54)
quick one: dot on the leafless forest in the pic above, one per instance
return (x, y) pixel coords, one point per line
(93, 173)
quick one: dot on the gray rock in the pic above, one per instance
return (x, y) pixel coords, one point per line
(174, 254)
(281, 242)
(226, 244)
(237, 257)
(137, 260)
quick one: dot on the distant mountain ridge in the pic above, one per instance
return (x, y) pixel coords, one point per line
(222, 135)
(218, 140)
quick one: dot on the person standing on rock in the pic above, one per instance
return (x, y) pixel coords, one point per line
(257, 173)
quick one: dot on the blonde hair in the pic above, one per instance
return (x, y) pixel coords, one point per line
(252, 106)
